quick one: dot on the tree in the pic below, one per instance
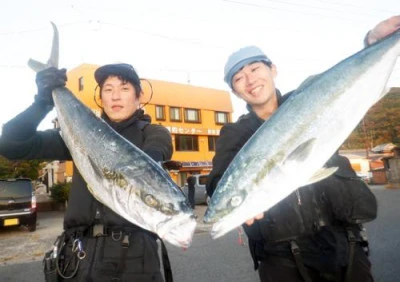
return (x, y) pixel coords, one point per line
(380, 125)
(15, 169)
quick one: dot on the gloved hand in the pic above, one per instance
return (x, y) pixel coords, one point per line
(47, 80)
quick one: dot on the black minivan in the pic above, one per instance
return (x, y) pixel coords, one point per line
(17, 203)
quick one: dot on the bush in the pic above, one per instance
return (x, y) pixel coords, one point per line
(60, 192)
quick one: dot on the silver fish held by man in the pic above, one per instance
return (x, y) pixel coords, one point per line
(119, 174)
(290, 149)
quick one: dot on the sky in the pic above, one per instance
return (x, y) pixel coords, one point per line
(184, 41)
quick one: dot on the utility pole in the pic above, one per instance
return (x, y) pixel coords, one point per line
(365, 138)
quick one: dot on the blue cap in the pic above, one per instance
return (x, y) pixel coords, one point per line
(240, 58)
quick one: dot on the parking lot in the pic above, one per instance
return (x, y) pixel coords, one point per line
(206, 260)
(19, 245)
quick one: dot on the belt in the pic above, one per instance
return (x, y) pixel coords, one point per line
(98, 230)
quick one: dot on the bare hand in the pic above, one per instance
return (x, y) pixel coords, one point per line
(383, 29)
(251, 221)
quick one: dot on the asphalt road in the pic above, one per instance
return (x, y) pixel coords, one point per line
(206, 260)
(384, 236)
(21, 253)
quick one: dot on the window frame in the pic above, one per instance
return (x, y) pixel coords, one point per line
(81, 84)
(198, 113)
(195, 142)
(226, 117)
(179, 113)
(214, 143)
(162, 112)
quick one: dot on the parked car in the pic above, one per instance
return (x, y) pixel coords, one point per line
(17, 203)
(200, 194)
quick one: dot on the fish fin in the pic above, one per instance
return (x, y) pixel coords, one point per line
(53, 60)
(322, 174)
(308, 81)
(54, 55)
(291, 163)
(36, 65)
(301, 152)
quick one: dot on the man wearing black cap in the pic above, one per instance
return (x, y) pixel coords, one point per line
(313, 234)
(115, 249)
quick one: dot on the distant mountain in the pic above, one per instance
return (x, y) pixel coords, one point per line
(380, 125)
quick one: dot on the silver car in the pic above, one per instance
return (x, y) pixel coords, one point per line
(200, 194)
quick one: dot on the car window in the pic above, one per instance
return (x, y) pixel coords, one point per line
(12, 189)
(203, 180)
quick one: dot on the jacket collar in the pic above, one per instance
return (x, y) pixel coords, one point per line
(281, 99)
(119, 126)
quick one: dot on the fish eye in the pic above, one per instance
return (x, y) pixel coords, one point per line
(150, 200)
(235, 201)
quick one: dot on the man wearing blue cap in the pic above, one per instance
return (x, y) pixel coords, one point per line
(116, 249)
(317, 240)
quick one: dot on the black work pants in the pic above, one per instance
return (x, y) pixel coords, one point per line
(284, 270)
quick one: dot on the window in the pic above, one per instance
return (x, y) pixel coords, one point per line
(186, 143)
(160, 113)
(175, 114)
(221, 118)
(80, 81)
(203, 179)
(212, 140)
(192, 115)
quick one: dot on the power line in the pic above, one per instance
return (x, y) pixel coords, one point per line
(350, 5)
(297, 11)
(13, 66)
(41, 28)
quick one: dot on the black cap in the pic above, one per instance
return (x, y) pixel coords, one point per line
(125, 71)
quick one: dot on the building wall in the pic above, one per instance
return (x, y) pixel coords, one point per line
(168, 94)
(394, 170)
(379, 176)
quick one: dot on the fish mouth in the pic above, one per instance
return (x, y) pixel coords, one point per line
(209, 216)
(236, 218)
(223, 226)
(179, 231)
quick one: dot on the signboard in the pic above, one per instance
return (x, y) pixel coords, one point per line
(192, 130)
(197, 164)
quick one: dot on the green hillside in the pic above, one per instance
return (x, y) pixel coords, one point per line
(380, 125)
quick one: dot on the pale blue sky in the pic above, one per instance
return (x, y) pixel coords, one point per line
(179, 40)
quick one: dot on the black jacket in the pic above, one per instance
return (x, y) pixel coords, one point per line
(318, 224)
(21, 140)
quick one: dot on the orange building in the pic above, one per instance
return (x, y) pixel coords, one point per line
(193, 115)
